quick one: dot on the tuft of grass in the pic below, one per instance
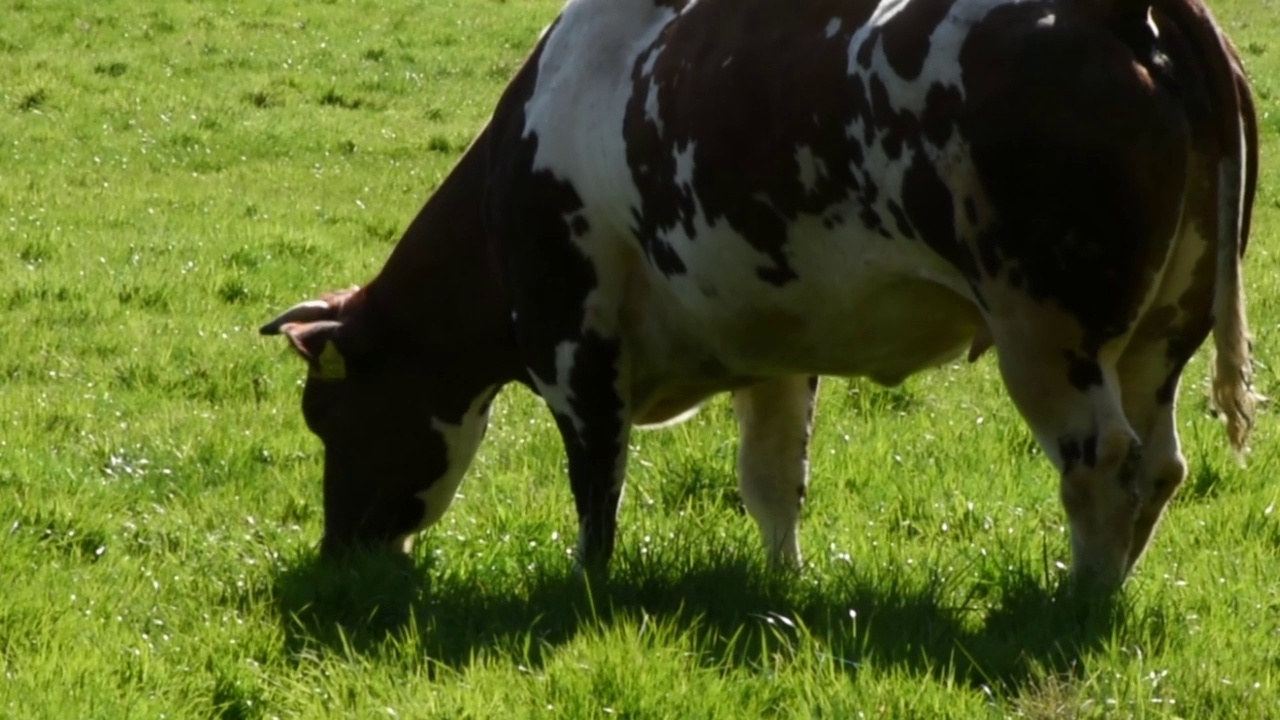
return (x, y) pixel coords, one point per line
(261, 99)
(111, 69)
(174, 176)
(334, 98)
(440, 144)
(33, 100)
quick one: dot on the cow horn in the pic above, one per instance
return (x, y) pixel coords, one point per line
(309, 311)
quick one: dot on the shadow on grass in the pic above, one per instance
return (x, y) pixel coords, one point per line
(366, 602)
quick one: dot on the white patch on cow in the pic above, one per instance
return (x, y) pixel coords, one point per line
(833, 27)
(1047, 21)
(461, 442)
(812, 168)
(651, 112)
(684, 166)
(883, 13)
(726, 62)
(884, 309)
(862, 306)
(576, 110)
(1179, 274)
(855, 129)
(649, 62)
(584, 85)
(557, 393)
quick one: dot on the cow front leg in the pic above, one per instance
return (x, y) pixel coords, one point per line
(775, 419)
(594, 422)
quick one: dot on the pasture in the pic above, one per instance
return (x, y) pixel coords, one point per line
(174, 173)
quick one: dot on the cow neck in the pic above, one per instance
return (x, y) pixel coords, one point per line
(443, 289)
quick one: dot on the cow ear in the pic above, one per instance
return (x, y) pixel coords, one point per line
(326, 308)
(302, 313)
(317, 343)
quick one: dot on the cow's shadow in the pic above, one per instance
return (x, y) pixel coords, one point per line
(366, 602)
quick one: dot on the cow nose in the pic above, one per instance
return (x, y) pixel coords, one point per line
(403, 544)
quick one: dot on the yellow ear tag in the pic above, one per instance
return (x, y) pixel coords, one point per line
(331, 364)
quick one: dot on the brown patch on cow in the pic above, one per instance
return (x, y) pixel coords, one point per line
(1080, 157)
(1074, 451)
(942, 104)
(898, 129)
(860, 100)
(905, 37)
(900, 218)
(1083, 372)
(724, 94)
(884, 116)
(870, 190)
(928, 204)
(867, 48)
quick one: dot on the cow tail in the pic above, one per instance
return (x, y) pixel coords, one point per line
(1233, 394)
(1234, 366)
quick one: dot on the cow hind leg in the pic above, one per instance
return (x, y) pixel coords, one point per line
(1073, 407)
(1160, 473)
(1149, 373)
(1150, 370)
(775, 419)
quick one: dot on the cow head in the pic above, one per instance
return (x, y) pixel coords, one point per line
(399, 423)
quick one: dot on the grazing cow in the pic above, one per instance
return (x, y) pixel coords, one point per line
(677, 198)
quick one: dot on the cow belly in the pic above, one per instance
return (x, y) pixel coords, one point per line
(903, 326)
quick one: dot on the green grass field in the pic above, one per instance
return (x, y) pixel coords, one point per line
(172, 174)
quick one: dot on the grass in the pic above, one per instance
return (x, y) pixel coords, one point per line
(172, 174)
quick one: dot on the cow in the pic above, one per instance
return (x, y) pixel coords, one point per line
(674, 199)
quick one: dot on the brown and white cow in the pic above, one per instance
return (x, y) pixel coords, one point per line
(677, 198)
